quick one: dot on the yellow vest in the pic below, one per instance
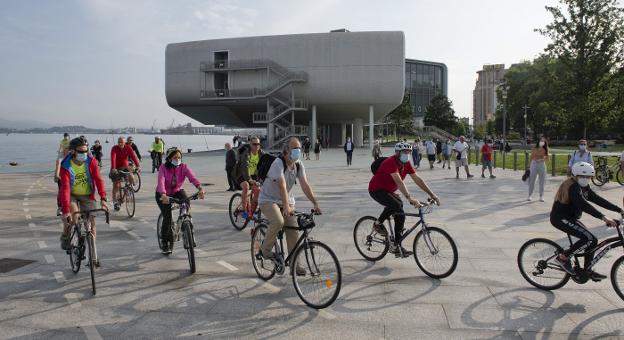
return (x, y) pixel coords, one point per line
(81, 185)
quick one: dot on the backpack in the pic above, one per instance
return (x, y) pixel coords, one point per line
(264, 164)
(376, 163)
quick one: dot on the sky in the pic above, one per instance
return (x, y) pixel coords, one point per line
(100, 63)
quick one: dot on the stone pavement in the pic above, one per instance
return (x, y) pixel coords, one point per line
(143, 294)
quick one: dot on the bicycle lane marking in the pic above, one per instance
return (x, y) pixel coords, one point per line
(227, 265)
(267, 286)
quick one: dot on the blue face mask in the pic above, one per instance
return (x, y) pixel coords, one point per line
(295, 154)
(80, 157)
(404, 158)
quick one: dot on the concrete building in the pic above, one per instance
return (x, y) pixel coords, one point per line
(485, 101)
(423, 81)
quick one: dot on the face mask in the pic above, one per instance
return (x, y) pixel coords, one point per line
(295, 154)
(583, 182)
(80, 157)
(582, 147)
(176, 162)
(541, 144)
(404, 158)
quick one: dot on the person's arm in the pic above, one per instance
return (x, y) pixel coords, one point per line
(57, 169)
(160, 182)
(281, 184)
(113, 158)
(189, 174)
(136, 151)
(64, 191)
(579, 202)
(97, 179)
(424, 187)
(595, 198)
(134, 158)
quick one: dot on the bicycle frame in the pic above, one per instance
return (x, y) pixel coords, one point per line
(421, 222)
(302, 239)
(605, 246)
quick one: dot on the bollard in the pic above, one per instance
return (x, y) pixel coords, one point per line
(553, 165)
(504, 158)
(515, 161)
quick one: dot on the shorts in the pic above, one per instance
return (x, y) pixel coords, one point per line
(447, 157)
(461, 162)
(117, 176)
(487, 164)
(431, 158)
(84, 202)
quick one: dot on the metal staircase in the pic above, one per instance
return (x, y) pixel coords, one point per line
(435, 132)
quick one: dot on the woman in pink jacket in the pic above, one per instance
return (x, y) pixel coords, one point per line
(171, 177)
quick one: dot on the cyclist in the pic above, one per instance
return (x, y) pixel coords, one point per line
(80, 177)
(62, 152)
(382, 187)
(171, 178)
(276, 195)
(134, 147)
(96, 151)
(571, 201)
(156, 152)
(119, 161)
(247, 169)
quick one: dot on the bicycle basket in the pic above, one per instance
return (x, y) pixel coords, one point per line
(305, 222)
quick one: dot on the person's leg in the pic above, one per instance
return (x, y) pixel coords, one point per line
(292, 235)
(586, 240)
(165, 210)
(465, 162)
(457, 165)
(276, 223)
(245, 194)
(490, 168)
(542, 179)
(532, 177)
(383, 198)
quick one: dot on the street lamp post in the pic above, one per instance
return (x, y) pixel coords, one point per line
(525, 107)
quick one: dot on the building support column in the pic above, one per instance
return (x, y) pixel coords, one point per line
(313, 134)
(358, 132)
(371, 126)
(343, 127)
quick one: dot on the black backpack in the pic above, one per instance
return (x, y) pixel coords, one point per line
(264, 164)
(376, 163)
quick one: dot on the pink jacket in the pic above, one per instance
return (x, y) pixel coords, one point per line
(165, 175)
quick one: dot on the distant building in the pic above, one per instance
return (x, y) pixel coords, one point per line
(484, 94)
(423, 81)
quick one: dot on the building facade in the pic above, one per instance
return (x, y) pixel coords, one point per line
(423, 81)
(485, 101)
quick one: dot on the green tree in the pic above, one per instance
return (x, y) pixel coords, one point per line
(440, 113)
(479, 132)
(460, 129)
(402, 116)
(490, 127)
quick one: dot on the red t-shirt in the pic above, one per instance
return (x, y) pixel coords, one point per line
(382, 179)
(119, 157)
(487, 151)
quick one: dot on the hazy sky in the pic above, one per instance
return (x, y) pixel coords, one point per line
(91, 62)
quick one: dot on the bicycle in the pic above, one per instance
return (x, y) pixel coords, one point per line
(430, 244)
(606, 172)
(315, 270)
(183, 226)
(536, 261)
(137, 177)
(127, 194)
(82, 230)
(239, 216)
(156, 160)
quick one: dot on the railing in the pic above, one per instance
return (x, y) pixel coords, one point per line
(259, 117)
(249, 64)
(429, 129)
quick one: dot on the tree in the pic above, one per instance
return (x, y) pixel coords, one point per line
(460, 129)
(440, 113)
(490, 128)
(402, 116)
(479, 132)
(587, 38)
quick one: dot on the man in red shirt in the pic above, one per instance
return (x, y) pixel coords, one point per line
(387, 179)
(119, 161)
(486, 151)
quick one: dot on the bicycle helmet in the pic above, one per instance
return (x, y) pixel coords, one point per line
(171, 151)
(583, 169)
(78, 141)
(400, 146)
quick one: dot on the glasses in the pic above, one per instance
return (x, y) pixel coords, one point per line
(81, 151)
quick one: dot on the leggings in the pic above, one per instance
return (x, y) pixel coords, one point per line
(586, 241)
(165, 209)
(537, 168)
(393, 205)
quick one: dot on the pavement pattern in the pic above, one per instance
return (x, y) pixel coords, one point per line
(144, 294)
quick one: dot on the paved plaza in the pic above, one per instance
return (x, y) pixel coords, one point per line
(143, 294)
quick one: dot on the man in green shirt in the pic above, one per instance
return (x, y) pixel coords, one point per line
(247, 169)
(156, 151)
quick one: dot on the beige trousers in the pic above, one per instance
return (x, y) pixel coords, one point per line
(276, 223)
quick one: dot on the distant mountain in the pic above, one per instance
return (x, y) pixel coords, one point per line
(22, 124)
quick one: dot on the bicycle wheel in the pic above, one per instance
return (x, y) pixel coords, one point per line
(619, 177)
(617, 277)
(435, 252)
(129, 202)
(264, 268)
(77, 250)
(189, 245)
(371, 245)
(601, 177)
(535, 263)
(137, 182)
(91, 259)
(159, 223)
(236, 211)
(320, 285)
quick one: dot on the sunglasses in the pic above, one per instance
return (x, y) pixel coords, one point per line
(78, 151)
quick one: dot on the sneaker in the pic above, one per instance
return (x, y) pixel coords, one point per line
(469, 176)
(267, 256)
(596, 276)
(457, 177)
(405, 252)
(380, 229)
(165, 249)
(566, 265)
(482, 176)
(541, 199)
(65, 242)
(97, 263)
(492, 176)
(529, 198)
(59, 212)
(116, 206)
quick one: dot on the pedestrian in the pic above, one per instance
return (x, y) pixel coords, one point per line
(487, 150)
(582, 154)
(376, 150)
(416, 153)
(439, 150)
(446, 154)
(539, 155)
(461, 156)
(317, 148)
(348, 149)
(431, 152)
(306, 148)
(230, 164)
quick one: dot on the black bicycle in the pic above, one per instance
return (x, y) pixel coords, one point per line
(83, 242)
(183, 226)
(127, 194)
(314, 267)
(156, 160)
(435, 251)
(606, 172)
(537, 263)
(136, 175)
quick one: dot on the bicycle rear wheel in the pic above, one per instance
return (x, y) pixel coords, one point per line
(189, 244)
(619, 177)
(236, 211)
(316, 273)
(601, 177)
(617, 277)
(137, 182)
(129, 202)
(371, 245)
(435, 252)
(535, 261)
(91, 259)
(159, 223)
(264, 268)
(76, 252)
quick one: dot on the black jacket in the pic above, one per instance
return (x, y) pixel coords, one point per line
(230, 159)
(579, 203)
(352, 146)
(242, 166)
(136, 150)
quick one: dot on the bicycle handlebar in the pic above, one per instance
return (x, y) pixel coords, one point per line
(88, 213)
(310, 214)
(188, 199)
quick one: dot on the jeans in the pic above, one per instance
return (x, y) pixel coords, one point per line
(537, 168)
(349, 156)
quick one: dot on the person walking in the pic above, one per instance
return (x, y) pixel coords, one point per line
(431, 152)
(539, 155)
(230, 163)
(487, 150)
(376, 150)
(306, 148)
(416, 153)
(461, 156)
(317, 149)
(348, 149)
(96, 151)
(439, 150)
(446, 154)
(582, 154)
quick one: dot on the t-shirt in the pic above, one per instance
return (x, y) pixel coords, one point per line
(270, 192)
(382, 180)
(584, 157)
(253, 163)
(487, 151)
(81, 185)
(431, 148)
(461, 148)
(349, 146)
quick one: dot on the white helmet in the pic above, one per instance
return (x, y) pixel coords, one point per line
(583, 169)
(400, 146)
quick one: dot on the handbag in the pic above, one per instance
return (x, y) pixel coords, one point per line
(526, 175)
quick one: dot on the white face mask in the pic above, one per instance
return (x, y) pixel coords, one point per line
(583, 181)
(582, 147)
(541, 144)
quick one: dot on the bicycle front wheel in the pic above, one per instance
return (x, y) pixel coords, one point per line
(535, 261)
(264, 268)
(435, 252)
(236, 211)
(129, 202)
(91, 259)
(316, 273)
(137, 182)
(189, 243)
(370, 244)
(159, 224)
(619, 177)
(76, 251)
(617, 277)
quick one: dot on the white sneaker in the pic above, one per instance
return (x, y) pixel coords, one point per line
(529, 198)
(541, 199)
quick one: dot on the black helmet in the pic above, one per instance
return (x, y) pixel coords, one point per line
(171, 151)
(76, 142)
